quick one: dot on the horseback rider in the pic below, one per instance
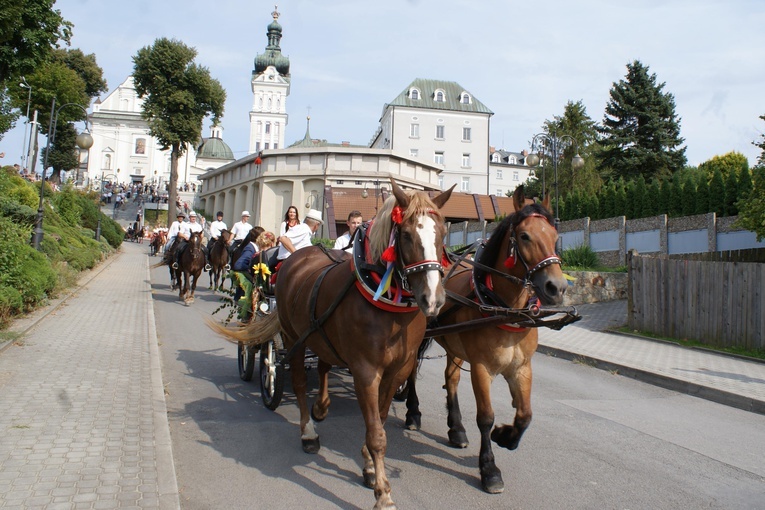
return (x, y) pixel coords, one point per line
(184, 235)
(172, 234)
(239, 231)
(215, 230)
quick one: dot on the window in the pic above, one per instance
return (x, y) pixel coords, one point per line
(107, 162)
(441, 181)
(512, 160)
(268, 129)
(465, 185)
(499, 174)
(495, 157)
(414, 130)
(257, 146)
(466, 134)
(440, 132)
(516, 176)
(414, 94)
(413, 153)
(438, 158)
(465, 99)
(265, 146)
(439, 96)
(499, 192)
(466, 160)
(340, 181)
(276, 146)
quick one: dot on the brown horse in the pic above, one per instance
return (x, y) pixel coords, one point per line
(318, 296)
(516, 264)
(158, 240)
(219, 259)
(190, 266)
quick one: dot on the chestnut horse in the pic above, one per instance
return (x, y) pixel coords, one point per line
(190, 266)
(318, 294)
(517, 264)
(219, 255)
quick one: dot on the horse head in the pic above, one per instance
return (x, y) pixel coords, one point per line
(195, 244)
(523, 246)
(410, 231)
(225, 235)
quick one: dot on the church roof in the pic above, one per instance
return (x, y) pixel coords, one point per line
(273, 55)
(452, 97)
(214, 148)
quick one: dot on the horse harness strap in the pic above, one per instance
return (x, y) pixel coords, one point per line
(318, 322)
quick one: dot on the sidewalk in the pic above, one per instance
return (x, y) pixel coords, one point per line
(721, 378)
(83, 421)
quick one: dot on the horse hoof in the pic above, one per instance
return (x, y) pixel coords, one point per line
(506, 436)
(493, 483)
(458, 439)
(413, 422)
(317, 418)
(369, 479)
(311, 445)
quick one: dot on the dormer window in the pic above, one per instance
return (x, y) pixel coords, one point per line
(495, 158)
(439, 96)
(465, 98)
(414, 94)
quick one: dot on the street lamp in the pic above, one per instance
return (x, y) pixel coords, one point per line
(83, 141)
(553, 145)
(365, 193)
(24, 159)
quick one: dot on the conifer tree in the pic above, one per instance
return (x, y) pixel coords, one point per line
(717, 194)
(640, 130)
(639, 198)
(731, 194)
(744, 184)
(752, 207)
(702, 196)
(629, 203)
(665, 196)
(651, 202)
(676, 198)
(621, 201)
(689, 196)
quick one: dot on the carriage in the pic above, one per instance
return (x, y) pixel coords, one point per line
(483, 305)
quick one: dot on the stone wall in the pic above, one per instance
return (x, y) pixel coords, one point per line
(593, 287)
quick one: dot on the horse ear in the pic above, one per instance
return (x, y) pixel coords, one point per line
(546, 202)
(519, 198)
(401, 197)
(441, 199)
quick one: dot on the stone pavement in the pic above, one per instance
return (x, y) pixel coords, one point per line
(726, 379)
(83, 422)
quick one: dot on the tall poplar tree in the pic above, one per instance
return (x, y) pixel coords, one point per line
(640, 133)
(178, 94)
(752, 206)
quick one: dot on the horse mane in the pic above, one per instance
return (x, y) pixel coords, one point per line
(379, 236)
(493, 246)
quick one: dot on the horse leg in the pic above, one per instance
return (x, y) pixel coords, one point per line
(367, 393)
(194, 278)
(308, 435)
(320, 408)
(413, 414)
(457, 436)
(491, 476)
(508, 436)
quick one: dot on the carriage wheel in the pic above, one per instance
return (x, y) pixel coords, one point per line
(246, 359)
(271, 376)
(402, 392)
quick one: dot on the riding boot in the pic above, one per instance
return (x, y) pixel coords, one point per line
(208, 267)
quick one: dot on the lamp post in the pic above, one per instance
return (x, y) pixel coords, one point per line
(83, 141)
(365, 193)
(24, 159)
(553, 145)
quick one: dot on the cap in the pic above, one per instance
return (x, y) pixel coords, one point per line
(245, 213)
(314, 215)
(219, 213)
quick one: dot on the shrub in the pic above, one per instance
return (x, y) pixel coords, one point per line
(582, 257)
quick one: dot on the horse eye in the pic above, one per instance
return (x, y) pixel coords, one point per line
(525, 237)
(407, 236)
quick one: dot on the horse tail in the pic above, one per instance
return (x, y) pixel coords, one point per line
(258, 331)
(421, 351)
(158, 264)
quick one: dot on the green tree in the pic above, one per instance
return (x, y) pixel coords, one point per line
(178, 94)
(581, 128)
(689, 196)
(640, 197)
(676, 198)
(731, 193)
(640, 130)
(727, 163)
(629, 203)
(752, 207)
(744, 184)
(717, 193)
(29, 30)
(651, 202)
(665, 196)
(702, 196)
(621, 199)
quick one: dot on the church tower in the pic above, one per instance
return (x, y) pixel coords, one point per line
(270, 88)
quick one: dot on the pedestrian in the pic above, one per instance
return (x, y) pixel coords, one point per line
(291, 219)
(344, 241)
(299, 236)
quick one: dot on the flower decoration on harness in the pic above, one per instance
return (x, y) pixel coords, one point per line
(389, 257)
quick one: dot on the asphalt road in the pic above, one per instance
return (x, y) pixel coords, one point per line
(597, 440)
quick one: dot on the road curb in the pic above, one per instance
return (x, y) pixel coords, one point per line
(662, 381)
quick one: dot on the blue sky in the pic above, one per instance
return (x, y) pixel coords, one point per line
(524, 60)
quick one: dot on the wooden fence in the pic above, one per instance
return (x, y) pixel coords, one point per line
(716, 303)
